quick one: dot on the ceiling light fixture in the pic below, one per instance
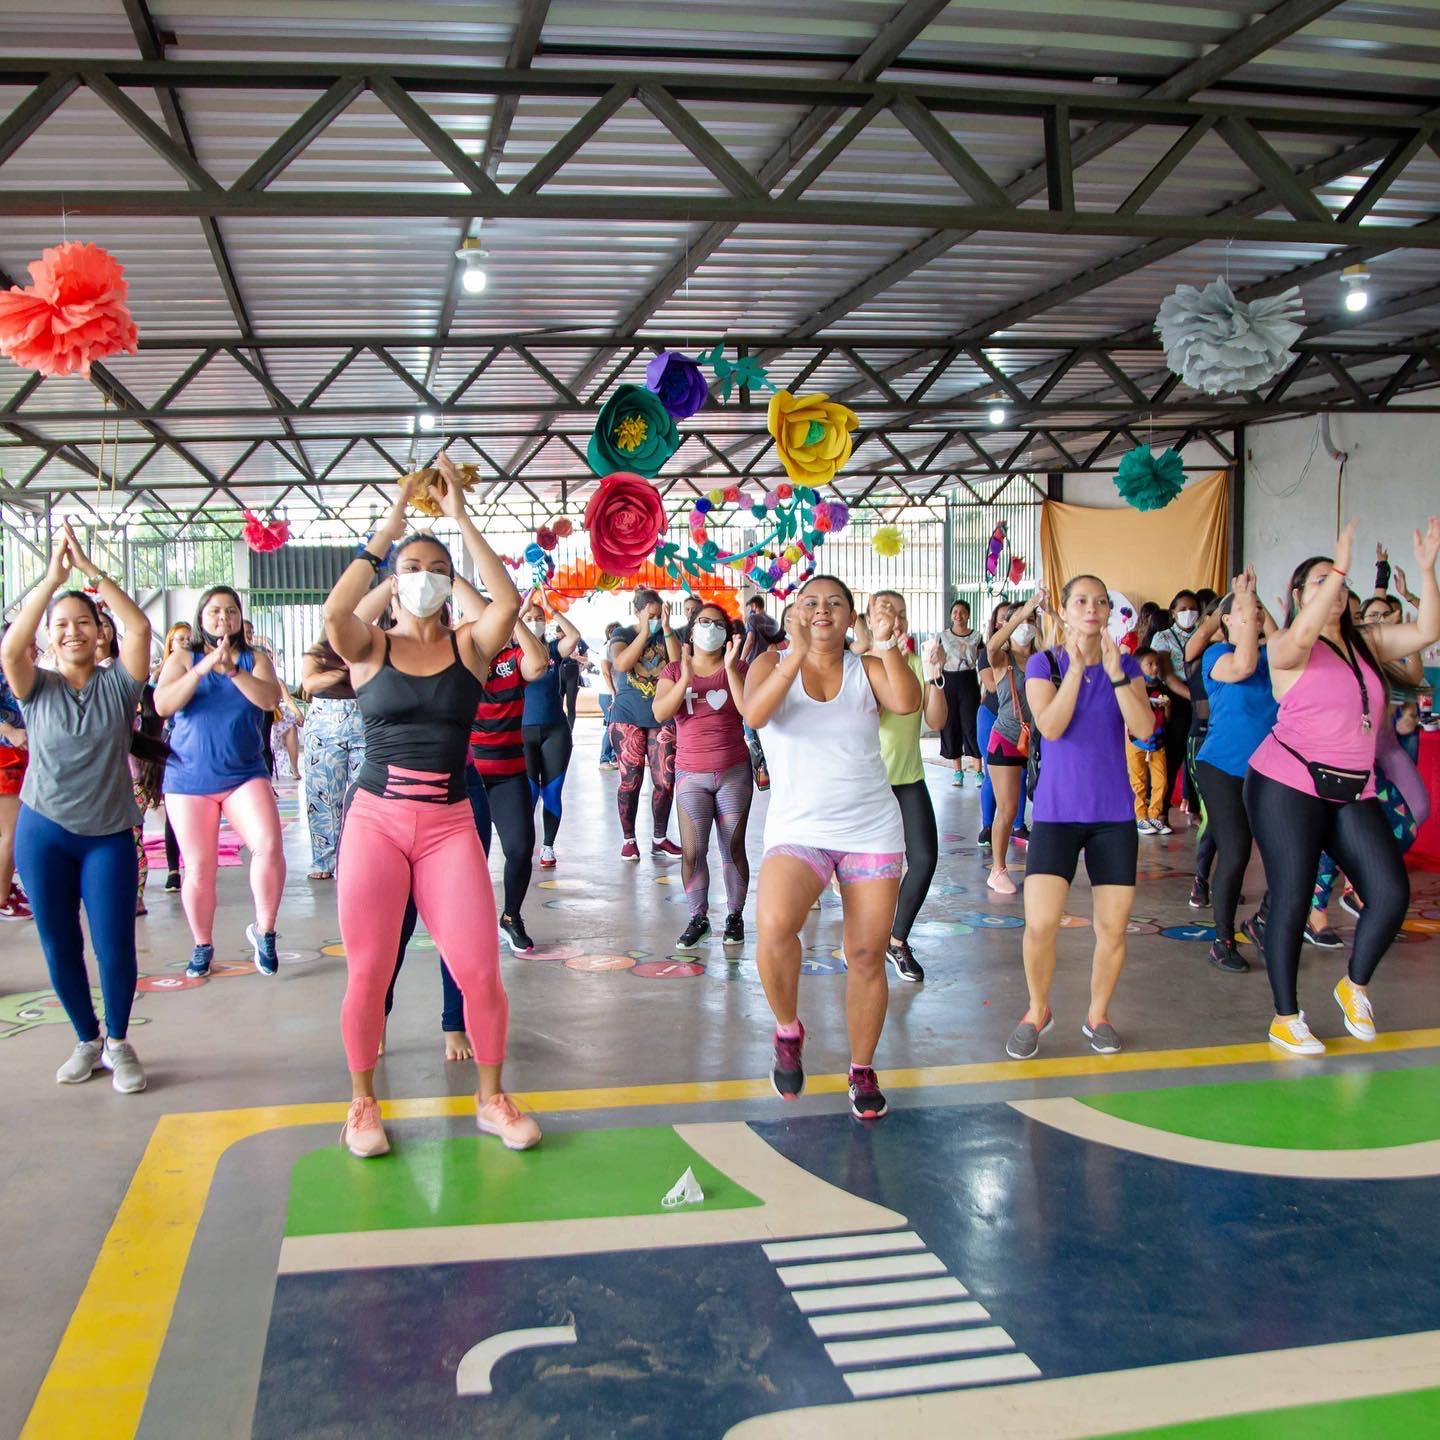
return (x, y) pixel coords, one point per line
(1355, 281)
(473, 278)
(997, 414)
(427, 421)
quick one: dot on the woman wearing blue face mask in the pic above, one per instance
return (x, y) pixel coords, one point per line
(702, 692)
(543, 727)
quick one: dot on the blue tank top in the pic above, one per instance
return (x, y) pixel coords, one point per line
(543, 705)
(217, 740)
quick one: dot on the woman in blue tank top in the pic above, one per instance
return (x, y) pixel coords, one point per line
(220, 691)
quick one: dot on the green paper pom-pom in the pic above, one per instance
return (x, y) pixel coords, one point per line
(1149, 482)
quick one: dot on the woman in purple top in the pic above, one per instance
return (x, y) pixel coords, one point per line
(1084, 698)
(1311, 784)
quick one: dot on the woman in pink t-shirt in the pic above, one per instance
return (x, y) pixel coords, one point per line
(713, 789)
(1311, 784)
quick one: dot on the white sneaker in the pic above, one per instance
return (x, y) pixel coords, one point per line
(1145, 827)
(1159, 827)
(81, 1064)
(1294, 1036)
(120, 1058)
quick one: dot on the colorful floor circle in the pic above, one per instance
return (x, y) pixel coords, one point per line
(154, 984)
(554, 952)
(574, 903)
(667, 879)
(1197, 933)
(1142, 927)
(943, 929)
(1422, 925)
(834, 964)
(559, 884)
(668, 970)
(984, 920)
(1074, 922)
(231, 968)
(601, 962)
(335, 949)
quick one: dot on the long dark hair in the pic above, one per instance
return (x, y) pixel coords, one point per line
(197, 630)
(1350, 632)
(834, 580)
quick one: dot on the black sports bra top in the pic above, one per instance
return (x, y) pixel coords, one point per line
(417, 731)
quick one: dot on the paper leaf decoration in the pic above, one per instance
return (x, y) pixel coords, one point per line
(747, 372)
(74, 313)
(1147, 481)
(1220, 345)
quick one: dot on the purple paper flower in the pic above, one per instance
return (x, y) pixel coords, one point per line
(677, 380)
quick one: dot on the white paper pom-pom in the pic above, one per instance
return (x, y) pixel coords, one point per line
(1219, 344)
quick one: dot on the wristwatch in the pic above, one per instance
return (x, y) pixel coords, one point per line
(877, 645)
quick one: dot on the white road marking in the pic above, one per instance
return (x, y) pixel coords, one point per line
(838, 1246)
(947, 1375)
(472, 1374)
(839, 1272)
(920, 1347)
(846, 1297)
(908, 1317)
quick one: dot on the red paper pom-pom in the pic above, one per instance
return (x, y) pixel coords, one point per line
(784, 491)
(732, 495)
(562, 527)
(74, 313)
(546, 538)
(263, 538)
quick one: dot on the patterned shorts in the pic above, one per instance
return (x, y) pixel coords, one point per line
(847, 866)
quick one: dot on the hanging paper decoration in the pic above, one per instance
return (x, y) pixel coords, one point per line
(1219, 344)
(747, 372)
(634, 433)
(1123, 620)
(888, 541)
(677, 380)
(1149, 482)
(72, 315)
(582, 578)
(995, 549)
(427, 486)
(812, 435)
(625, 520)
(262, 537)
(1017, 570)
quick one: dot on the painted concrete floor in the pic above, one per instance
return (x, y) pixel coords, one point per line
(1073, 1246)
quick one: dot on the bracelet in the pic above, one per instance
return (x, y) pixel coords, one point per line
(361, 553)
(1121, 683)
(878, 645)
(1336, 570)
(938, 682)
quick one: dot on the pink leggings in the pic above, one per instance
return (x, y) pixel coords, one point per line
(250, 809)
(391, 849)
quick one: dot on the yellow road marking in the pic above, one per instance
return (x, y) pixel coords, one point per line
(100, 1376)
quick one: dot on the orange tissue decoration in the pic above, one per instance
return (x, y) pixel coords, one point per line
(73, 315)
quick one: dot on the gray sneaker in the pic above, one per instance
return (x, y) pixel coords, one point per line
(1103, 1038)
(1024, 1041)
(119, 1056)
(82, 1062)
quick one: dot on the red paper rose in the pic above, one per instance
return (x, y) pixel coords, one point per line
(73, 314)
(625, 520)
(546, 538)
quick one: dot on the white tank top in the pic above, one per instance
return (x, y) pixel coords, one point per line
(828, 788)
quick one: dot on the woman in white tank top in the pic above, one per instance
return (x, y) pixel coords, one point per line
(832, 813)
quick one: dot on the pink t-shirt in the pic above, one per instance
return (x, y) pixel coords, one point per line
(1321, 717)
(709, 733)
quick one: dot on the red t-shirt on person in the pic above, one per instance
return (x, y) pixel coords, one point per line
(496, 746)
(709, 732)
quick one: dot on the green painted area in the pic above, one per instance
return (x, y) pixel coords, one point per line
(1361, 1110)
(474, 1180)
(1381, 1417)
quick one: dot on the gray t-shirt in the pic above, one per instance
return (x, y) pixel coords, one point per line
(79, 770)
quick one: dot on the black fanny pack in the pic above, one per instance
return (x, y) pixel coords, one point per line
(1331, 781)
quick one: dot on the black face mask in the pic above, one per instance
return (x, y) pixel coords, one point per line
(211, 641)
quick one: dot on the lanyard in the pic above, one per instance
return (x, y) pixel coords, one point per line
(1348, 656)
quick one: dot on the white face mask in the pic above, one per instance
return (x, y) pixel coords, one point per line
(708, 636)
(421, 592)
(1023, 634)
(536, 628)
(1187, 619)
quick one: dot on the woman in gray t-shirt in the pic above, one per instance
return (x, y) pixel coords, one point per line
(74, 840)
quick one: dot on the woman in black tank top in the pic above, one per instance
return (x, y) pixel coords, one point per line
(410, 828)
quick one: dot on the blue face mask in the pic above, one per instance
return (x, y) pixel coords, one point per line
(654, 627)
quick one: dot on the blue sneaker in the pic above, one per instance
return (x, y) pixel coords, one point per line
(200, 959)
(262, 942)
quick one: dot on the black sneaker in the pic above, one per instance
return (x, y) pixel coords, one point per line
(866, 1100)
(1224, 956)
(514, 930)
(1020, 835)
(900, 955)
(695, 932)
(734, 928)
(1199, 895)
(172, 883)
(200, 959)
(1325, 937)
(787, 1074)
(1350, 903)
(1254, 931)
(984, 838)
(262, 945)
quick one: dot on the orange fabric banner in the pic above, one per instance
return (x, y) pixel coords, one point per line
(1144, 554)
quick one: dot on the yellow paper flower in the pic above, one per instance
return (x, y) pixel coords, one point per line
(716, 497)
(888, 540)
(792, 553)
(630, 433)
(812, 435)
(607, 582)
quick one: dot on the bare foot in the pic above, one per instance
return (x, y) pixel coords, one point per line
(457, 1046)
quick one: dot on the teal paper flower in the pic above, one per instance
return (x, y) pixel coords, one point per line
(1148, 482)
(634, 432)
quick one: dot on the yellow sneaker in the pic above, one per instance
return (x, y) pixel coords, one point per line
(1355, 1006)
(1294, 1036)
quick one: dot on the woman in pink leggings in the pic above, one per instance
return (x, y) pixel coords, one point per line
(220, 690)
(832, 814)
(410, 828)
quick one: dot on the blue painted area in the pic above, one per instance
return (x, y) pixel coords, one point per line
(685, 1344)
(986, 920)
(1205, 933)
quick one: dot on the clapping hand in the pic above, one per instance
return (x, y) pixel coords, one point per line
(1427, 545)
(933, 659)
(733, 647)
(451, 498)
(1110, 656)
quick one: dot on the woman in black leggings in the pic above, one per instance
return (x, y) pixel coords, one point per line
(1311, 786)
(544, 727)
(1236, 676)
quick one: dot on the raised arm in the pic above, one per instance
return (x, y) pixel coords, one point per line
(569, 634)
(135, 643)
(534, 653)
(670, 694)
(1391, 642)
(995, 647)
(491, 632)
(1240, 663)
(15, 652)
(355, 640)
(1291, 647)
(888, 668)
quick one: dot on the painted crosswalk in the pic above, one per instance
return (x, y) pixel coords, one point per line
(892, 1318)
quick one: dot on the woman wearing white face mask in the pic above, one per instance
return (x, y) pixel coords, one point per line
(703, 692)
(544, 728)
(1171, 642)
(1009, 651)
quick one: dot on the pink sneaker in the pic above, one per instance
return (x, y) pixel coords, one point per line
(1001, 883)
(363, 1134)
(499, 1116)
(666, 848)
